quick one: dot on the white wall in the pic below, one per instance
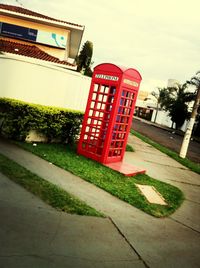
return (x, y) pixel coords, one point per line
(42, 83)
(162, 118)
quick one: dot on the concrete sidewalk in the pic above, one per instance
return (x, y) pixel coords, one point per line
(32, 234)
(167, 137)
(168, 242)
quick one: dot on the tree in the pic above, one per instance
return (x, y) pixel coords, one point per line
(84, 58)
(159, 95)
(197, 125)
(195, 82)
(175, 101)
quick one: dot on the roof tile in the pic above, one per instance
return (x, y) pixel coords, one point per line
(29, 51)
(24, 11)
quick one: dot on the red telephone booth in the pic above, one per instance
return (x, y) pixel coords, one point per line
(109, 112)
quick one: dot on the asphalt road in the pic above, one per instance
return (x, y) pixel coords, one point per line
(167, 137)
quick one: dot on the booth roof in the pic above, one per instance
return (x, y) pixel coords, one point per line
(29, 51)
(117, 68)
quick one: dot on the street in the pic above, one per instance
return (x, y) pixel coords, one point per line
(166, 137)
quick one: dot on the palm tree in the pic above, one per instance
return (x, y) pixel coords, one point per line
(195, 81)
(159, 95)
(175, 101)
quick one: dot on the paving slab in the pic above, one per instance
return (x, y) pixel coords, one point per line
(158, 164)
(162, 242)
(151, 194)
(33, 234)
(188, 214)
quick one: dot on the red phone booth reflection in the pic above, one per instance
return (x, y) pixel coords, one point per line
(109, 112)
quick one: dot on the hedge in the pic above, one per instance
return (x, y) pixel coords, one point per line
(17, 118)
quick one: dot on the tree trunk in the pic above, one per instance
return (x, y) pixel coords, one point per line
(190, 125)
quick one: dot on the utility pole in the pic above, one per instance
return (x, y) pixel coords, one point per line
(157, 97)
(157, 107)
(186, 140)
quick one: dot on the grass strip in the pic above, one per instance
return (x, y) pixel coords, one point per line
(113, 182)
(129, 148)
(48, 192)
(184, 161)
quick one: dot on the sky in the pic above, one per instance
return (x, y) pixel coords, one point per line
(161, 39)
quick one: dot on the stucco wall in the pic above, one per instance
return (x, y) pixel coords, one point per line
(43, 83)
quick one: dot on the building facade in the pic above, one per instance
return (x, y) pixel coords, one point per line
(37, 59)
(27, 33)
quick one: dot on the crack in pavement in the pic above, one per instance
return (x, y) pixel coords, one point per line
(126, 239)
(65, 256)
(195, 202)
(24, 256)
(57, 229)
(188, 183)
(198, 232)
(161, 164)
(151, 153)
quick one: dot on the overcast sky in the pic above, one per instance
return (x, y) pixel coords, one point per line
(161, 39)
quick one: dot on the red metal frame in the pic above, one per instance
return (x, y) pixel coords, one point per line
(109, 111)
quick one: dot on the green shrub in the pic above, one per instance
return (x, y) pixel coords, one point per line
(17, 118)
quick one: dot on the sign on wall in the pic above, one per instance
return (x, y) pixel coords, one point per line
(18, 31)
(33, 35)
(51, 39)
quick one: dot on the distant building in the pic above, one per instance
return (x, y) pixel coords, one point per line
(142, 109)
(142, 95)
(30, 34)
(146, 107)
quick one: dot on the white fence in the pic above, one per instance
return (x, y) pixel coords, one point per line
(42, 83)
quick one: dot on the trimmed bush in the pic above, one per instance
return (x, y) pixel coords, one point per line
(17, 118)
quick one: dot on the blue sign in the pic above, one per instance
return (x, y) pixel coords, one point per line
(16, 31)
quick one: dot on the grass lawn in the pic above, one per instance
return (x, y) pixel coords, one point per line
(113, 182)
(129, 148)
(48, 192)
(185, 162)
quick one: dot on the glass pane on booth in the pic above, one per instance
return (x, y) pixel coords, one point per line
(121, 123)
(98, 118)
